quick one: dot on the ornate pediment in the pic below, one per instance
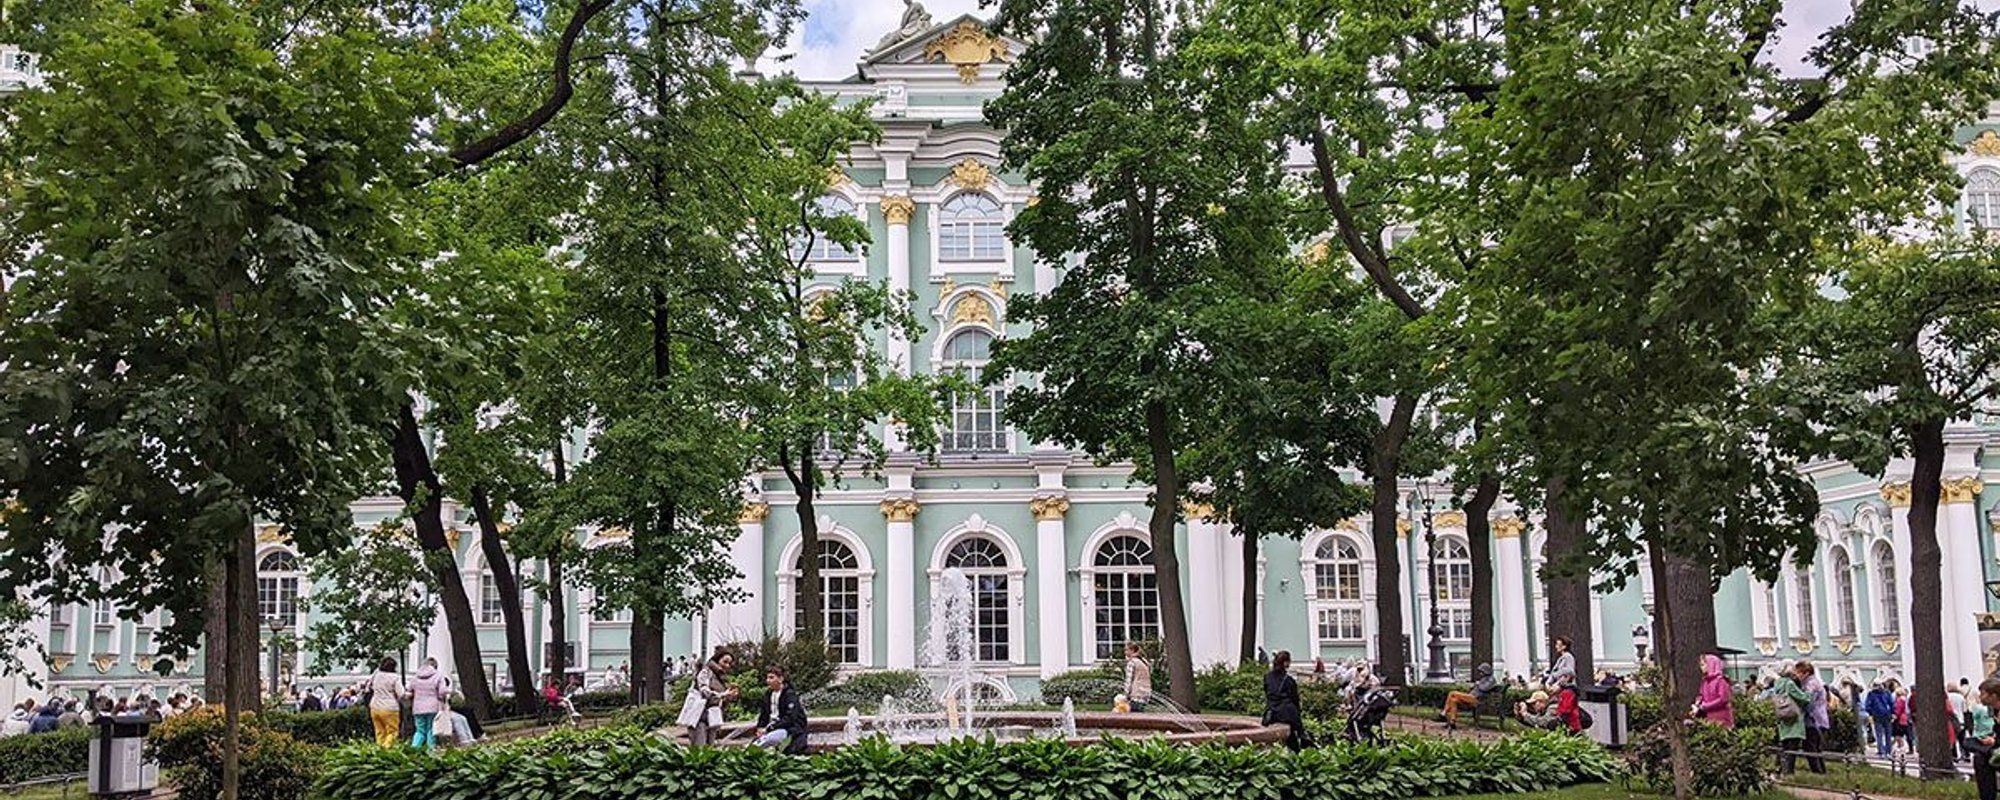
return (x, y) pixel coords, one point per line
(963, 44)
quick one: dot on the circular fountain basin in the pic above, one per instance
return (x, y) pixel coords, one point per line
(830, 733)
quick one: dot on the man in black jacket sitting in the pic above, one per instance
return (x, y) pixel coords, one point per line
(782, 720)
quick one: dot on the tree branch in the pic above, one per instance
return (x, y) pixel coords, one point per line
(565, 86)
(1373, 260)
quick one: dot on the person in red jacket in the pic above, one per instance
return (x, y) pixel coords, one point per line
(1566, 707)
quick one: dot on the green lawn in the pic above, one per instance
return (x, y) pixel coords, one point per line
(1602, 791)
(63, 791)
(1880, 782)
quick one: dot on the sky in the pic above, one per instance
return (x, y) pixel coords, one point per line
(837, 32)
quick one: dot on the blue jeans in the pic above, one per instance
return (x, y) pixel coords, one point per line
(423, 739)
(1885, 735)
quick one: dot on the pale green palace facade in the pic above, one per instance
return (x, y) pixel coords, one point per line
(1057, 546)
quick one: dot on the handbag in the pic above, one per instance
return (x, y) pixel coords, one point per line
(692, 708)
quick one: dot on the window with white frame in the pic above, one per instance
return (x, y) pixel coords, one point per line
(985, 565)
(1802, 605)
(840, 598)
(1764, 609)
(278, 588)
(490, 609)
(971, 227)
(1125, 593)
(102, 613)
(815, 246)
(1982, 200)
(1887, 612)
(977, 416)
(1843, 592)
(1453, 591)
(610, 615)
(1337, 590)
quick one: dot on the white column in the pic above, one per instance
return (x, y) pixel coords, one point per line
(743, 620)
(582, 598)
(1959, 525)
(900, 587)
(1205, 588)
(1411, 627)
(896, 210)
(1051, 578)
(1898, 495)
(1513, 612)
(1231, 593)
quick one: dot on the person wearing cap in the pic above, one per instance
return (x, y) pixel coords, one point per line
(1535, 713)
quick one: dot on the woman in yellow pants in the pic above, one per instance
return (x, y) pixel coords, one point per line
(385, 702)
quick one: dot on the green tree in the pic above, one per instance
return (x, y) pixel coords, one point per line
(371, 598)
(1161, 199)
(1911, 344)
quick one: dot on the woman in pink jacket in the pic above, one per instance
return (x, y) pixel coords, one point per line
(1712, 705)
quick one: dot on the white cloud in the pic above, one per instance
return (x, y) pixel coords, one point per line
(836, 33)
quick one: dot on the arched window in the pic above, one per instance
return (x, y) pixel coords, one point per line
(1887, 612)
(971, 228)
(490, 609)
(1843, 592)
(1126, 594)
(1802, 605)
(815, 245)
(1337, 590)
(1453, 591)
(1982, 200)
(976, 423)
(840, 596)
(278, 588)
(985, 565)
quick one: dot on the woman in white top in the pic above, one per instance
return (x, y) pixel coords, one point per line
(385, 702)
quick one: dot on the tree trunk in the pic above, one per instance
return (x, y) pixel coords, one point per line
(1384, 465)
(812, 616)
(1675, 692)
(1691, 589)
(1927, 704)
(558, 604)
(526, 700)
(1167, 560)
(1246, 643)
(1479, 541)
(648, 644)
(233, 674)
(417, 483)
(1568, 589)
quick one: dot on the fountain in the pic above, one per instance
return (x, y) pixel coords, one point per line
(950, 708)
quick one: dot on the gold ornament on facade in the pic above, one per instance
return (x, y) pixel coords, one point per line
(1897, 494)
(972, 309)
(452, 535)
(900, 510)
(1033, 200)
(1349, 524)
(1767, 645)
(1961, 490)
(103, 662)
(1802, 645)
(1845, 644)
(836, 177)
(1986, 144)
(897, 209)
(1193, 510)
(270, 534)
(754, 513)
(970, 174)
(998, 286)
(1889, 644)
(1508, 528)
(1049, 509)
(1449, 519)
(1402, 526)
(615, 533)
(60, 662)
(966, 46)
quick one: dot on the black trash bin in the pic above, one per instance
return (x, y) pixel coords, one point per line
(117, 756)
(1607, 715)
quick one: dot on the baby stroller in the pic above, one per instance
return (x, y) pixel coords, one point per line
(1366, 711)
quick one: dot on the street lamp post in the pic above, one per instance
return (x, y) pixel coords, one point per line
(1438, 670)
(277, 626)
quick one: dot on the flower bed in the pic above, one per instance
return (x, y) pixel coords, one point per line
(625, 763)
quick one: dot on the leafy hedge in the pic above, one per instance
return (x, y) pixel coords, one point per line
(1753, 715)
(625, 763)
(322, 727)
(275, 765)
(865, 690)
(1094, 686)
(39, 755)
(1725, 763)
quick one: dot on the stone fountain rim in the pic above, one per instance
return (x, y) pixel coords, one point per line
(1170, 728)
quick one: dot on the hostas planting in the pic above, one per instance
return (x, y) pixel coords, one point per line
(625, 763)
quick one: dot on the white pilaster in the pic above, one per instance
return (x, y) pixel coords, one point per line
(1231, 542)
(743, 619)
(1513, 611)
(1411, 627)
(896, 211)
(1051, 578)
(437, 640)
(899, 507)
(1958, 524)
(1205, 580)
(1898, 495)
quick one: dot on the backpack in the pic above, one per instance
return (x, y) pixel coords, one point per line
(1784, 708)
(1584, 717)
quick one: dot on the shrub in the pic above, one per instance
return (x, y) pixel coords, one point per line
(651, 717)
(1752, 714)
(865, 690)
(323, 727)
(275, 765)
(1725, 763)
(807, 664)
(1086, 686)
(1321, 701)
(39, 755)
(1239, 690)
(624, 762)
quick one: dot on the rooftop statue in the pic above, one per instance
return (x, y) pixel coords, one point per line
(915, 20)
